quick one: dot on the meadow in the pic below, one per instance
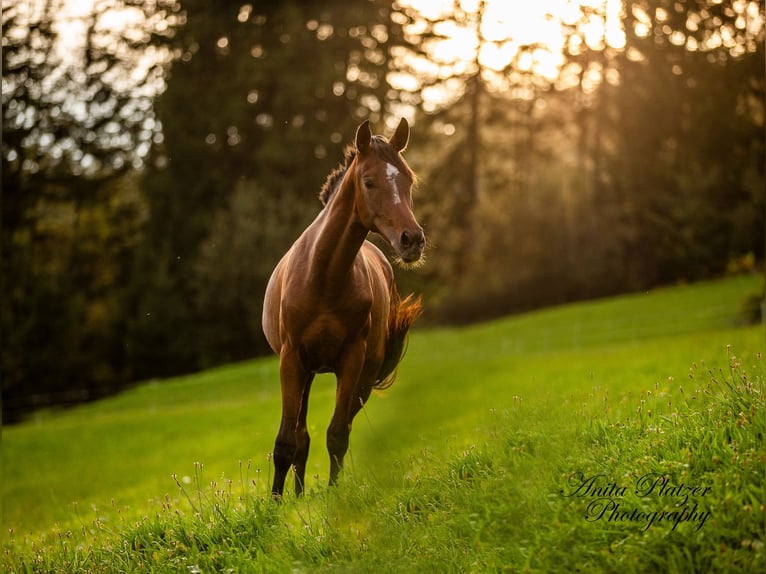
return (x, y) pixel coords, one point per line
(618, 435)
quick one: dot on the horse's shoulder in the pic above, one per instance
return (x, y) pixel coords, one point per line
(377, 261)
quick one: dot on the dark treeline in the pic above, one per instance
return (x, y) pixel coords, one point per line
(153, 177)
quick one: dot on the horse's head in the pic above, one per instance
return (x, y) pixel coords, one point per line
(384, 191)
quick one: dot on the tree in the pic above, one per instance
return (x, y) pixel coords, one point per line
(75, 123)
(689, 153)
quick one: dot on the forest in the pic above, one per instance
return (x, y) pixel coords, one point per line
(159, 157)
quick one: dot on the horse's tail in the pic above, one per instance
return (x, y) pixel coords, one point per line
(401, 316)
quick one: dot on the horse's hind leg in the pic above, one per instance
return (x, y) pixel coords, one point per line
(302, 440)
(296, 382)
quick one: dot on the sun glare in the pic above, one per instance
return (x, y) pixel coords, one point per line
(531, 35)
(115, 21)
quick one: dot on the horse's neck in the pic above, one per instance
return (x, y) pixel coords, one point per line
(340, 236)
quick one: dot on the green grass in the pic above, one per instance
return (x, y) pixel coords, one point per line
(459, 467)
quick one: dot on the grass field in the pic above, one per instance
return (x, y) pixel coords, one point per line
(470, 462)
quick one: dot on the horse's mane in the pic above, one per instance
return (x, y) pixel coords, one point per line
(336, 176)
(383, 150)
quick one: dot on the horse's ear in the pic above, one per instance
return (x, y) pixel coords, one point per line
(363, 137)
(401, 135)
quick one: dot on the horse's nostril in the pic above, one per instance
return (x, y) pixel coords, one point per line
(412, 238)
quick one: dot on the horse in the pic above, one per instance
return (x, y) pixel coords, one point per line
(331, 304)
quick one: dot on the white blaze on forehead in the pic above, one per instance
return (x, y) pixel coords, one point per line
(391, 173)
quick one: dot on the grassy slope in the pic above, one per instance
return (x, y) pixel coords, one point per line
(452, 379)
(542, 372)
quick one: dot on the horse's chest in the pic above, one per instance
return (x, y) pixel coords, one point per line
(322, 344)
(324, 339)
(322, 324)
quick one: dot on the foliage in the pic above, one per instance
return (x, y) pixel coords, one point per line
(66, 299)
(83, 109)
(229, 277)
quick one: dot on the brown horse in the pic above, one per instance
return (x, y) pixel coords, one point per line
(332, 305)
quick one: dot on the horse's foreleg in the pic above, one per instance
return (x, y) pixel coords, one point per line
(291, 445)
(346, 393)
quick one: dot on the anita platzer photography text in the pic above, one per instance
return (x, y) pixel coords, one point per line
(652, 500)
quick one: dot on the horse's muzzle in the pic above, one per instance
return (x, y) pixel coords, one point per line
(411, 245)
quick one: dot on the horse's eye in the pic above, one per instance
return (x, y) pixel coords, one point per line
(369, 183)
